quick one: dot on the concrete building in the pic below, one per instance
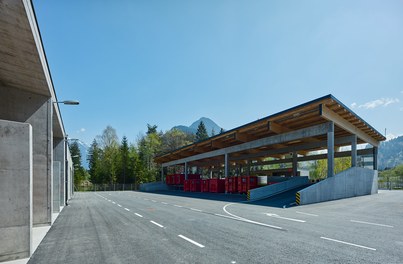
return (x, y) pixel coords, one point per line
(35, 163)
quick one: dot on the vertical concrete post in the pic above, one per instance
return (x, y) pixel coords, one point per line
(294, 163)
(186, 170)
(354, 151)
(162, 174)
(375, 157)
(56, 186)
(248, 168)
(226, 167)
(330, 150)
(16, 163)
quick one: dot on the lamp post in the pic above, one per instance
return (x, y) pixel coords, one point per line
(66, 102)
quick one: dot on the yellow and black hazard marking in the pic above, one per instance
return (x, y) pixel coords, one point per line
(298, 198)
(248, 196)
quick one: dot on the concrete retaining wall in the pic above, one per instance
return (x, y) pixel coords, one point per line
(15, 190)
(270, 190)
(153, 186)
(349, 183)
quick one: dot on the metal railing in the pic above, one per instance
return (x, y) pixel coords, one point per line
(105, 187)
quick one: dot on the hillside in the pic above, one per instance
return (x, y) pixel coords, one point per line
(390, 153)
(208, 123)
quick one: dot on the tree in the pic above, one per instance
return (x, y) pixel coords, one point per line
(174, 139)
(221, 130)
(319, 167)
(94, 162)
(201, 133)
(212, 132)
(124, 160)
(79, 172)
(151, 129)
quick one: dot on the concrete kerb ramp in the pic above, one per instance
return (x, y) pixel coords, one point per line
(274, 189)
(349, 183)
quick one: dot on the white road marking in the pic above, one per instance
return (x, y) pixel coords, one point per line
(127, 209)
(286, 218)
(113, 202)
(155, 223)
(178, 206)
(119, 205)
(191, 241)
(164, 203)
(347, 243)
(109, 194)
(306, 213)
(139, 215)
(153, 201)
(233, 262)
(234, 217)
(369, 223)
(197, 210)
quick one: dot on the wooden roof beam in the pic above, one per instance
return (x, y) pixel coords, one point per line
(344, 124)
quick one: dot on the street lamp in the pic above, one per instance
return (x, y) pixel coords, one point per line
(68, 102)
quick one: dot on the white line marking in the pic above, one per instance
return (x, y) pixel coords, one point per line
(306, 213)
(248, 221)
(109, 194)
(368, 223)
(286, 218)
(153, 201)
(119, 205)
(139, 215)
(347, 243)
(191, 241)
(178, 206)
(164, 203)
(113, 202)
(197, 210)
(127, 209)
(155, 223)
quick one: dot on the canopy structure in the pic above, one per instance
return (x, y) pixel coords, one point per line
(323, 123)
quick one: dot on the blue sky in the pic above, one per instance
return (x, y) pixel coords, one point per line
(169, 63)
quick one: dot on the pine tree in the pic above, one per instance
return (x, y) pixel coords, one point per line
(124, 160)
(79, 172)
(201, 133)
(94, 159)
(221, 130)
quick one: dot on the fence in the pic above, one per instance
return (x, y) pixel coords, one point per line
(105, 187)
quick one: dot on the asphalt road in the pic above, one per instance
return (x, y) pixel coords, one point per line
(135, 227)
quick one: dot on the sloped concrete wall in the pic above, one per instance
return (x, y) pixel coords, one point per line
(153, 186)
(349, 183)
(15, 190)
(270, 190)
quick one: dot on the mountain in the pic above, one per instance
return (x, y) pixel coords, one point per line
(390, 153)
(83, 151)
(208, 123)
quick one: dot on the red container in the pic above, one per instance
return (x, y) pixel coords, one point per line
(186, 186)
(251, 182)
(195, 185)
(231, 184)
(217, 185)
(169, 179)
(205, 185)
(243, 188)
(193, 176)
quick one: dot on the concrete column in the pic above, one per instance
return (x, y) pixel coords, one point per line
(330, 150)
(294, 163)
(354, 151)
(56, 186)
(16, 167)
(375, 155)
(26, 107)
(186, 170)
(162, 174)
(248, 168)
(226, 165)
(59, 156)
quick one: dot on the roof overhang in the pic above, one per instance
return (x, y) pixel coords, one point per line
(300, 129)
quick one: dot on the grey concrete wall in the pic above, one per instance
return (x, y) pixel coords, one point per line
(56, 186)
(25, 107)
(15, 190)
(270, 190)
(153, 186)
(59, 155)
(349, 183)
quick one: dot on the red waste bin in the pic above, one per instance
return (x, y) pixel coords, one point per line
(205, 185)
(251, 182)
(244, 186)
(195, 185)
(186, 186)
(193, 176)
(217, 185)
